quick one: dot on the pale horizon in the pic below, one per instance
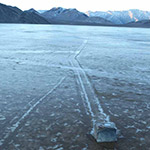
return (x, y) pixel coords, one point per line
(94, 5)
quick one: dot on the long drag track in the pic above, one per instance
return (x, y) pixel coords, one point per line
(91, 102)
(8, 137)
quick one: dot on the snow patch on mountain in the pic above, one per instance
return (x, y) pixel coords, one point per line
(72, 16)
(122, 17)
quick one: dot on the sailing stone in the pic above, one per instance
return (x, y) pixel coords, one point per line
(105, 132)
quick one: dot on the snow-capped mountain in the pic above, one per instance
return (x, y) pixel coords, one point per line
(61, 14)
(122, 17)
(41, 11)
(71, 16)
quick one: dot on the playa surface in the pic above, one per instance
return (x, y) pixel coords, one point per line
(54, 80)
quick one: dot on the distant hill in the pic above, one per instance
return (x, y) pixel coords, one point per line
(72, 16)
(121, 17)
(31, 18)
(9, 14)
(143, 23)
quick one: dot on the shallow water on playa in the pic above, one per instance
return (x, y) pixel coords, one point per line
(34, 58)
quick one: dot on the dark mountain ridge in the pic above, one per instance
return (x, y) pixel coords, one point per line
(143, 23)
(9, 14)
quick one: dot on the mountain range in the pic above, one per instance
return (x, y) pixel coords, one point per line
(72, 16)
(121, 17)
(135, 18)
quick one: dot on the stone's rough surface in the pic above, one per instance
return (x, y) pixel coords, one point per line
(105, 132)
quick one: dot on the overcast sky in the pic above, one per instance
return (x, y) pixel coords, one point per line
(82, 5)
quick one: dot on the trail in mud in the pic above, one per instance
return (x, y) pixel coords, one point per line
(8, 137)
(92, 103)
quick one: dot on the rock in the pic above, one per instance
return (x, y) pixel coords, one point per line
(105, 132)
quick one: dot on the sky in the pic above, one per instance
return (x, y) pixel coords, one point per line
(81, 5)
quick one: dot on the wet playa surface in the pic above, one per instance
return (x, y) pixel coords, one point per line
(51, 78)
